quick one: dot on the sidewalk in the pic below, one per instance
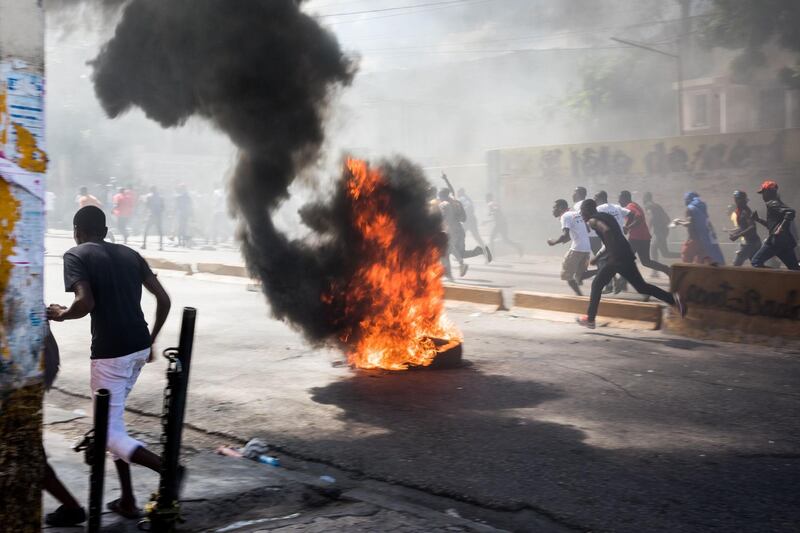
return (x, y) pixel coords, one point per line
(225, 494)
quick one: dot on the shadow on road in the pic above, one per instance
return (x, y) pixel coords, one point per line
(679, 344)
(475, 436)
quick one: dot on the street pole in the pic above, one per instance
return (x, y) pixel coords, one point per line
(164, 513)
(679, 64)
(102, 399)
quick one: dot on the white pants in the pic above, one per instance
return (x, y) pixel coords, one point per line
(118, 375)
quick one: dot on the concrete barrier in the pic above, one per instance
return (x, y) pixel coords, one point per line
(166, 264)
(643, 314)
(476, 295)
(223, 270)
(737, 304)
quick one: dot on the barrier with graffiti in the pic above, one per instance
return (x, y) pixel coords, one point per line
(737, 304)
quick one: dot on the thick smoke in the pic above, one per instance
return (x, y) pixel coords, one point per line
(261, 71)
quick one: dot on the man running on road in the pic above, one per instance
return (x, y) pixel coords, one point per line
(639, 234)
(619, 259)
(780, 242)
(576, 261)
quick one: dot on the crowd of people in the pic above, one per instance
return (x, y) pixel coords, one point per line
(149, 213)
(458, 218)
(612, 236)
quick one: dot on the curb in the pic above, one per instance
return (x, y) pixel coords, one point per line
(223, 270)
(649, 313)
(476, 295)
(165, 264)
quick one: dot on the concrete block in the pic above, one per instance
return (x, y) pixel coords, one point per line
(641, 312)
(223, 270)
(165, 264)
(737, 304)
(476, 295)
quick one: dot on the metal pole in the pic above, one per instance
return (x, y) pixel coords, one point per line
(166, 512)
(101, 400)
(679, 62)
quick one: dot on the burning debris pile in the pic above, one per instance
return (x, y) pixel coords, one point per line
(263, 71)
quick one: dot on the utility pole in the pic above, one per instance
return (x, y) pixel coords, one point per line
(22, 166)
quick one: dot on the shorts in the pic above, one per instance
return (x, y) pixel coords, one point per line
(693, 252)
(575, 265)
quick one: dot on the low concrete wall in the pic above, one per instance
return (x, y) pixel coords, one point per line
(223, 270)
(165, 264)
(649, 313)
(737, 304)
(475, 295)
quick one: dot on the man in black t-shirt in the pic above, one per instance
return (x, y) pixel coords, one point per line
(107, 280)
(780, 241)
(618, 258)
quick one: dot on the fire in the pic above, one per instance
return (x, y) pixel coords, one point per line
(397, 287)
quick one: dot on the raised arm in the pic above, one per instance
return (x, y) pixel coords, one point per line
(163, 304)
(449, 185)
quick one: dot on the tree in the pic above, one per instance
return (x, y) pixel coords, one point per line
(750, 25)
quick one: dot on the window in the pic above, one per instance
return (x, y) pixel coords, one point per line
(699, 111)
(772, 109)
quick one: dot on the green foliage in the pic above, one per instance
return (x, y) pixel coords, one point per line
(749, 25)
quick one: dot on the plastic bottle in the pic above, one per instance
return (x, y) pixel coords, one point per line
(269, 460)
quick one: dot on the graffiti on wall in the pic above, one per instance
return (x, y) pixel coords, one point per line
(690, 154)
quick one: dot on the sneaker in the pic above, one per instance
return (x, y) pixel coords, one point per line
(585, 322)
(488, 254)
(464, 268)
(679, 303)
(65, 517)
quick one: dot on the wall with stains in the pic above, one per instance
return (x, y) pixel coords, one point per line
(23, 161)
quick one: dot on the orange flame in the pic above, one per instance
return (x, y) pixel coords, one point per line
(398, 283)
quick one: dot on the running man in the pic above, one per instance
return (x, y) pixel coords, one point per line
(620, 214)
(780, 243)
(619, 259)
(500, 228)
(578, 196)
(155, 217)
(659, 224)
(471, 224)
(123, 203)
(744, 229)
(701, 244)
(638, 233)
(576, 261)
(107, 280)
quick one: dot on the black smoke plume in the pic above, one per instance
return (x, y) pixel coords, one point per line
(262, 71)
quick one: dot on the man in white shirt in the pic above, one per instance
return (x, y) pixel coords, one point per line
(619, 213)
(574, 230)
(578, 196)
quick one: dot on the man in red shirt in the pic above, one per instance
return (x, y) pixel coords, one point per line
(638, 234)
(123, 209)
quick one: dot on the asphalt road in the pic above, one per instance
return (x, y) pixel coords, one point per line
(608, 430)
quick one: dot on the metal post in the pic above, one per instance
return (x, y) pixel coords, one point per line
(679, 62)
(98, 454)
(165, 513)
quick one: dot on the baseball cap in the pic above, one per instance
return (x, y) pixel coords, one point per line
(768, 185)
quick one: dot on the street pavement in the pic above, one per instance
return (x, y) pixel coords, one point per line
(546, 426)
